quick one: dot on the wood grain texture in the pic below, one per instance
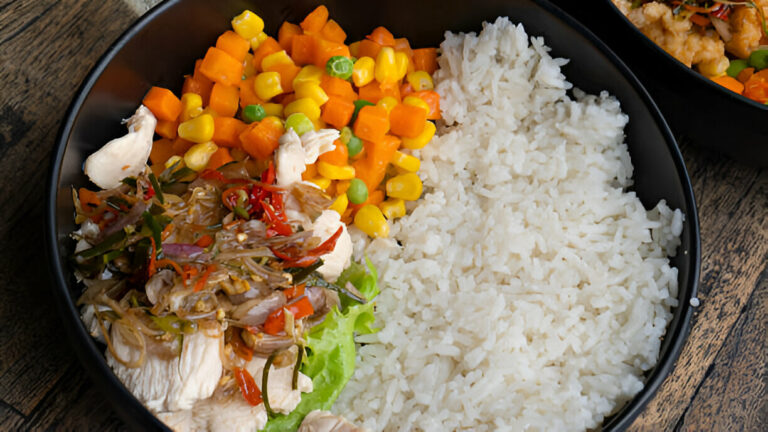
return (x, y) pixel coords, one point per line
(47, 47)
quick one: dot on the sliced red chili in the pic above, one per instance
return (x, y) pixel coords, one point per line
(294, 291)
(275, 322)
(200, 284)
(275, 221)
(204, 241)
(268, 176)
(210, 174)
(239, 347)
(248, 387)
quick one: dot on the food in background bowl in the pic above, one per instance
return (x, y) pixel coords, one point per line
(528, 267)
(726, 41)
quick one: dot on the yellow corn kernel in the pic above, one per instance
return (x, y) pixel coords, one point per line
(340, 204)
(273, 60)
(273, 109)
(173, 160)
(401, 64)
(714, 68)
(393, 208)
(308, 106)
(256, 41)
(191, 106)
(198, 129)
(385, 70)
(321, 182)
(370, 220)
(416, 101)
(248, 24)
(249, 69)
(267, 85)
(311, 90)
(420, 80)
(387, 102)
(405, 186)
(334, 172)
(406, 161)
(423, 139)
(197, 157)
(309, 73)
(362, 71)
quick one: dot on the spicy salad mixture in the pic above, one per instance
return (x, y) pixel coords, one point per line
(220, 275)
(727, 41)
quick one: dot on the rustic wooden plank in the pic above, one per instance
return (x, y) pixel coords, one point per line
(10, 419)
(73, 405)
(46, 49)
(734, 396)
(733, 205)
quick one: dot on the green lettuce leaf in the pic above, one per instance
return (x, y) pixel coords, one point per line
(330, 359)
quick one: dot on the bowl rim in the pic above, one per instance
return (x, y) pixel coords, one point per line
(672, 61)
(98, 370)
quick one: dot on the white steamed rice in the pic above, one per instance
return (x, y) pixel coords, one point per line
(531, 290)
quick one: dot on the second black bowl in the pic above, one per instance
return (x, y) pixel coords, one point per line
(696, 108)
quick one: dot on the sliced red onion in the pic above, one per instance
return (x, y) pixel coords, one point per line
(255, 312)
(182, 250)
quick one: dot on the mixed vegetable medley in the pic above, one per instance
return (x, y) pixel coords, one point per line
(727, 41)
(230, 252)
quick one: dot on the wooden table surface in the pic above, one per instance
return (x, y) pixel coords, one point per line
(720, 382)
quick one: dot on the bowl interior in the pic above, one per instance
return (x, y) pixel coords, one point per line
(164, 44)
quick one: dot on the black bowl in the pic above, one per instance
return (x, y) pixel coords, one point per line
(164, 44)
(697, 109)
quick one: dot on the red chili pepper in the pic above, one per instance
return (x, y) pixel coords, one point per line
(268, 176)
(722, 11)
(248, 387)
(239, 347)
(314, 254)
(328, 245)
(275, 322)
(302, 262)
(210, 174)
(294, 291)
(275, 221)
(229, 197)
(200, 284)
(149, 193)
(204, 241)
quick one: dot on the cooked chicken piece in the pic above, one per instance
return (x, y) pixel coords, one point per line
(674, 35)
(336, 261)
(170, 384)
(235, 414)
(324, 421)
(289, 159)
(316, 143)
(294, 153)
(746, 29)
(125, 156)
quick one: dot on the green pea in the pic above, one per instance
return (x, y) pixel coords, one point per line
(759, 59)
(300, 123)
(359, 104)
(252, 113)
(357, 191)
(354, 146)
(735, 67)
(339, 67)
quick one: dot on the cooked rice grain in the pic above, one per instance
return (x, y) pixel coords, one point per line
(532, 290)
